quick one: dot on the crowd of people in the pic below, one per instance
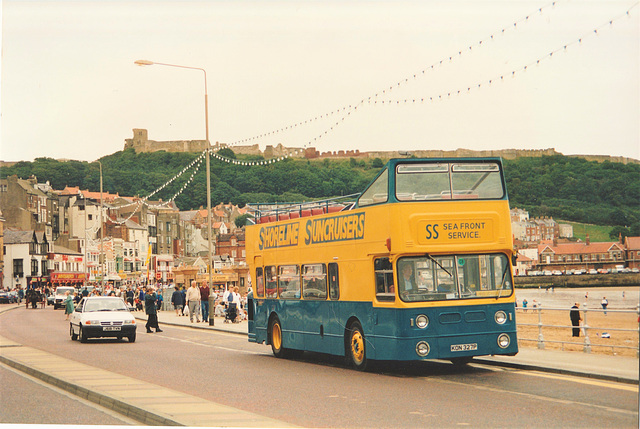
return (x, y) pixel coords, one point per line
(192, 301)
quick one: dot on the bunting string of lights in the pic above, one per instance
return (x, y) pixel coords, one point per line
(293, 151)
(467, 49)
(349, 108)
(197, 162)
(513, 73)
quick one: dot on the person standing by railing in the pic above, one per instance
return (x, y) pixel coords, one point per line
(575, 317)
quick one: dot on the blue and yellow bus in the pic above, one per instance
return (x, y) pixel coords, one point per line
(416, 267)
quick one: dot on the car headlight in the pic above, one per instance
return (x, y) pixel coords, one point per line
(504, 341)
(501, 317)
(422, 321)
(130, 322)
(92, 322)
(422, 348)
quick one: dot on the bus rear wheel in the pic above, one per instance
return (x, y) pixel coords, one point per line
(275, 329)
(356, 350)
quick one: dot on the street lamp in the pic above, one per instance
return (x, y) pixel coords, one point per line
(206, 124)
(102, 258)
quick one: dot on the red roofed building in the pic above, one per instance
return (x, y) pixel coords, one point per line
(632, 246)
(567, 256)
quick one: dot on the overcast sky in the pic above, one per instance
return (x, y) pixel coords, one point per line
(70, 88)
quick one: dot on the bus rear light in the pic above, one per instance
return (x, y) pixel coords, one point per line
(504, 341)
(422, 348)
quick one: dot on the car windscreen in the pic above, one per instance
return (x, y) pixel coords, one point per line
(63, 290)
(106, 304)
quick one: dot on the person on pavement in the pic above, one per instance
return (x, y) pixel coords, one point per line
(204, 301)
(150, 299)
(177, 299)
(193, 301)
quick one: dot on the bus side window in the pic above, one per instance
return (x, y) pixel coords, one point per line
(289, 281)
(385, 289)
(334, 283)
(259, 283)
(314, 281)
(271, 278)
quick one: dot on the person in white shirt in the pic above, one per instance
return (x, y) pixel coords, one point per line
(193, 301)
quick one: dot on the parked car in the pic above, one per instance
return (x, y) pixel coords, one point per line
(635, 270)
(5, 298)
(60, 295)
(593, 271)
(603, 271)
(556, 273)
(102, 316)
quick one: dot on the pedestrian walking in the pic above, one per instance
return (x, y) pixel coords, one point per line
(177, 299)
(204, 301)
(604, 304)
(151, 310)
(575, 317)
(193, 301)
(68, 305)
(524, 304)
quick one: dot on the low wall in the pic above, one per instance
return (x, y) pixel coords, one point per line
(583, 280)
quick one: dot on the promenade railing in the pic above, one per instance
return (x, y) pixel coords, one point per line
(587, 331)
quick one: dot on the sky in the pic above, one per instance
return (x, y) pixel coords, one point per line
(333, 75)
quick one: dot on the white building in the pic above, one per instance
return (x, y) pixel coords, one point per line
(25, 258)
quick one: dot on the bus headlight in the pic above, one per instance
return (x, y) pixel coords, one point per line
(501, 317)
(504, 341)
(422, 348)
(422, 321)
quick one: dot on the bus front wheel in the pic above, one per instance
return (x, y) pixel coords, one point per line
(356, 350)
(275, 329)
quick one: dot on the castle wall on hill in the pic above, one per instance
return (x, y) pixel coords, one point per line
(141, 143)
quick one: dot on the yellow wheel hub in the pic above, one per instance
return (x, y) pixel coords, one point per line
(357, 347)
(276, 336)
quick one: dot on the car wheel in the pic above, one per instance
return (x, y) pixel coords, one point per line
(74, 336)
(83, 335)
(132, 338)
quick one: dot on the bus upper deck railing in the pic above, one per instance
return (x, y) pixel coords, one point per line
(584, 327)
(272, 212)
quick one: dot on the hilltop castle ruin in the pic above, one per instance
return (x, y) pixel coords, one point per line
(141, 143)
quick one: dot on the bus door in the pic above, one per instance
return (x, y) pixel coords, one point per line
(315, 287)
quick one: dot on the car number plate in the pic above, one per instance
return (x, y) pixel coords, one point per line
(464, 347)
(111, 328)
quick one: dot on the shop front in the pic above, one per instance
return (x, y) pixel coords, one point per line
(60, 278)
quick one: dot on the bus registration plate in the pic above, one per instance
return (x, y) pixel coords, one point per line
(464, 347)
(111, 328)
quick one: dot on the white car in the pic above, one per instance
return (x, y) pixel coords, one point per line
(60, 295)
(102, 316)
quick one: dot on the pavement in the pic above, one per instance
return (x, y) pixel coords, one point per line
(155, 405)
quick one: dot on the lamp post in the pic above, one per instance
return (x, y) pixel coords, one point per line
(206, 124)
(102, 258)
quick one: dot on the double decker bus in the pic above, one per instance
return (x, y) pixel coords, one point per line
(416, 267)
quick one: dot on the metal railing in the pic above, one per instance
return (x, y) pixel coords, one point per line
(584, 327)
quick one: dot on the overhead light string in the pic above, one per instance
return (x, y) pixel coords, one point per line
(502, 77)
(348, 109)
